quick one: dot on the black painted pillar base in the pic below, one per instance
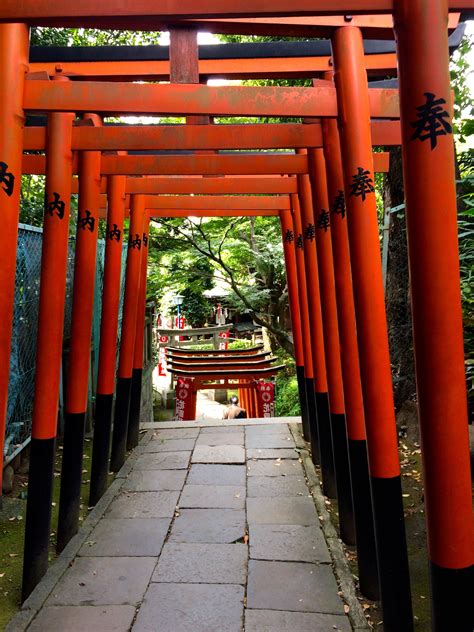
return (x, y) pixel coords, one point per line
(313, 422)
(71, 478)
(119, 436)
(38, 513)
(364, 520)
(343, 479)
(325, 445)
(303, 401)
(135, 409)
(452, 590)
(390, 536)
(100, 447)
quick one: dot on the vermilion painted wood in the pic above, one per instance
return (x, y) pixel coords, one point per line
(14, 62)
(172, 137)
(159, 70)
(197, 185)
(203, 213)
(53, 280)
(186, 137)
(188, 99)
(111, 286)
(150, 14)
(213, 165)
(437, 316)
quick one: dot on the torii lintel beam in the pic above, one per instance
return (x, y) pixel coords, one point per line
(191, 99)
(199, 185)
(262, 68)
(150, 14)
(199, 164)
(193, 137)
(220, 212)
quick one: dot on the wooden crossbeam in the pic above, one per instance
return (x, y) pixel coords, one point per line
(212, 352)
(198, 185)
(194, 137)
(218, 212)
(212, 165)
(261, 68)
(192, 360)
(242, 164)
(192, 99)
(150, 13)
(227, 367)
(229, 374)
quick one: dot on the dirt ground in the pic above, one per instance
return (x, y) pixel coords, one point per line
(410, 461)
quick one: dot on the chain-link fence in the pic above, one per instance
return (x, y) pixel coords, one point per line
(25, 323)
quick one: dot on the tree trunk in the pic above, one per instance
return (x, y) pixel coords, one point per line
(397, 293)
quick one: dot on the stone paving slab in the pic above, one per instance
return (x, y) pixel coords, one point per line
(213, 497)
(103, 581)
(290, 543)
(191, 569)
(267, 428)
(155, 480)
(216, 474)
(278, 621)
(267, 467)
(221, 438)
(144, 505)
(202, 564)
(267, 440)
(299, 510)
(208, 525)
(191, 608)
(276, 486)
(175, 433)
(84, 619)
(218, 454)
(272, 453)
(292, 586)
(116, 537)
(223, 427)
(169, 445)
(163, 461)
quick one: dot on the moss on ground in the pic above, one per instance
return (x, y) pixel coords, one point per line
(12, 531)
(410, 461)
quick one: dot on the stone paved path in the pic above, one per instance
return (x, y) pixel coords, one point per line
(213, 530)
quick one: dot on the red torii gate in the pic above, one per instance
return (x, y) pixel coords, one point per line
(424, 79)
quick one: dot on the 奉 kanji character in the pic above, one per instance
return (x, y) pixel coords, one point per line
(323, 220)
(362, 183)
(310, 232)
(339, 205)
(299, 242)
(431, 121)
(289, 236)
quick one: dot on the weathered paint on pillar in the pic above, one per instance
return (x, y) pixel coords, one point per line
(322, 222)
(14, 64)
(129, 329)
(356, 148)
(136, 390)
(108, 336)
(49, 344)
(430, 191)
(361, 492)
(288, 237)
(80, 345)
